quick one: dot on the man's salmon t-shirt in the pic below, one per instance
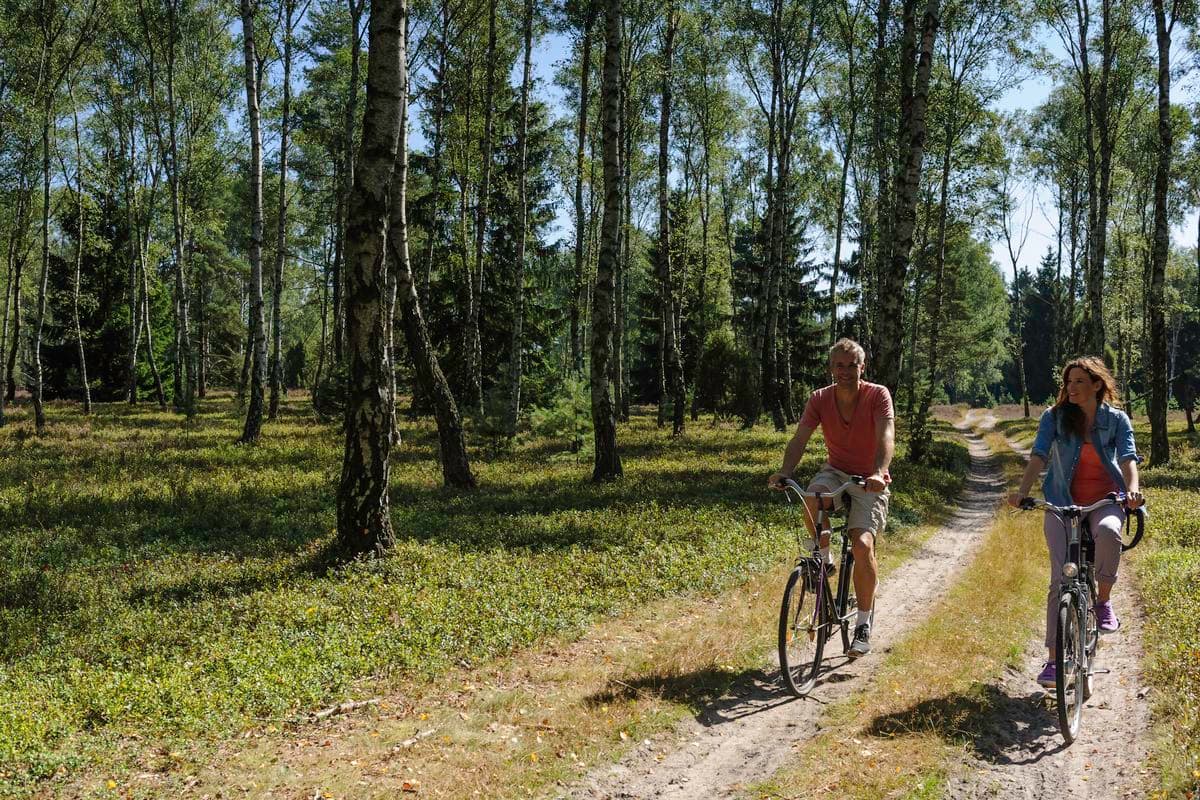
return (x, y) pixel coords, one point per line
(850, 443)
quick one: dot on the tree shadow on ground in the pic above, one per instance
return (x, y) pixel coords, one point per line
(527, 515)
(715, 694)
(193, 588)
(1001, 728)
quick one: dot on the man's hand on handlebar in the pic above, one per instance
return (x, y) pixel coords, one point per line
(1134, 500)
(875, 483)
(778, 481)
(1015, 498)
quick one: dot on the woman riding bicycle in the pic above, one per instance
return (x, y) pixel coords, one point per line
(1086, 447)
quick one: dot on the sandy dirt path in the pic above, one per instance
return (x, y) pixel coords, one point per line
(1020, 753)
(746, 736)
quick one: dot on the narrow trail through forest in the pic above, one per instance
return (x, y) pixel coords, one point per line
(1019, 753)
(744, 737)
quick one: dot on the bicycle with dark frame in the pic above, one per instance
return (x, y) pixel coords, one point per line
(811, 611)
(1078, 635)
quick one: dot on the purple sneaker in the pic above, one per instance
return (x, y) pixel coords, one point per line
(1106, 618)
(1048, 676)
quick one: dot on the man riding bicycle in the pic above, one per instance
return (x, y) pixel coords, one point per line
(858, 423)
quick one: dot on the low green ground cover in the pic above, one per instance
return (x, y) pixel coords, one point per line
(159, 582)
(1168, 572)
(1020, 430)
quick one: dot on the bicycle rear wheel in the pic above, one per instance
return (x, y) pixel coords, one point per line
(803, 629)
(846, 602)
(1070, 667)
(1091, 635)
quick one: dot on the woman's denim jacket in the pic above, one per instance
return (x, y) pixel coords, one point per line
(1112, 436)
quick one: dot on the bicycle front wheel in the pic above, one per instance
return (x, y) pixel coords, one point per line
(1070, 667)
(803, 628)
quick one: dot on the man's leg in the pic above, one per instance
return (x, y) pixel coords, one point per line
(866, 571)
(824, 481)
(862, 544)
(811, 516)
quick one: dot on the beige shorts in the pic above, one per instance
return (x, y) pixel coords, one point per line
(868, 510)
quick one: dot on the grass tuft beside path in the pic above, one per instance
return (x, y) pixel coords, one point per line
(159, 583)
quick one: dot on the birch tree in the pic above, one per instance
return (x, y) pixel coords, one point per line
(363, 511)
(607, 464)
(258, 334)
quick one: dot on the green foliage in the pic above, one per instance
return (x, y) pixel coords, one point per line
(568, 420)
(747, 387)
(329, 397)
(488, 423)
(295, 373)
(721, 378)
(1168, 571)
(168, 584)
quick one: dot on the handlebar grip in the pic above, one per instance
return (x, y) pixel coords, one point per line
(1140, 513)
(1028, 504)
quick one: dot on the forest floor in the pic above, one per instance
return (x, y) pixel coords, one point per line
(656, 690)
(170, 612)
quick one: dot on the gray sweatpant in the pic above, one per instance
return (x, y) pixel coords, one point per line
(1106, 525)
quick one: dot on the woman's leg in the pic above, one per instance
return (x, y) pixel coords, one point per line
(1056, 541)
(1106, 526)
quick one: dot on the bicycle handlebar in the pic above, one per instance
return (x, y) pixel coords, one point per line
(1140, 514)
(789, 485)
(1113, 498)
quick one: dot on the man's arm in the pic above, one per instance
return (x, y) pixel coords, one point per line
(791, 455)
(885, 447)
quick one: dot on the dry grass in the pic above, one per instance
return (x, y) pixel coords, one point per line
(525, 723)
(931, 696)
(519, 728)
(168, 622)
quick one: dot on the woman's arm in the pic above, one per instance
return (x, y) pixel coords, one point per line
(1032, 469)
(1129, 471)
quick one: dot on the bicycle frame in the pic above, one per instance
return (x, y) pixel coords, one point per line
(839, 599)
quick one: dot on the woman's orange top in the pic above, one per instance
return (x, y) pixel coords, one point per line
(1090, 481)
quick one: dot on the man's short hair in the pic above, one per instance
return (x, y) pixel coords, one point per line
(845, 345)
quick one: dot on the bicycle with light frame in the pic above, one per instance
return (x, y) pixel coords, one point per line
(811, 612)
(1078, 636)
